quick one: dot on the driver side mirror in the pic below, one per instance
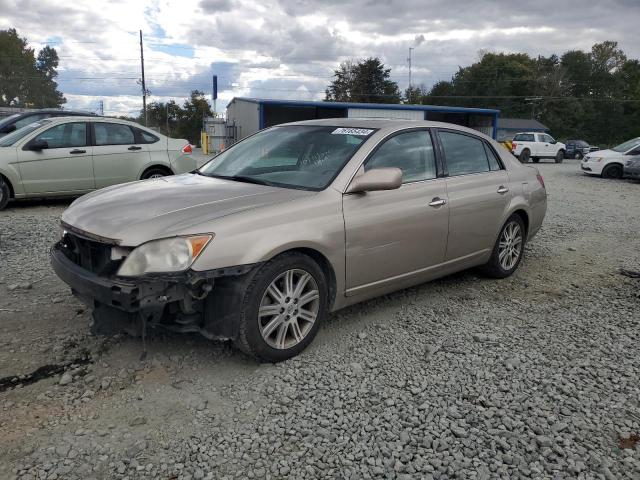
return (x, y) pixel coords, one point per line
(553, 142)
(38, 145)
(376, 179)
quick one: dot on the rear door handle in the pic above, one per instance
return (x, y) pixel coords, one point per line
(76, 151)
(437, 202)
(134, 148)
(502, 189)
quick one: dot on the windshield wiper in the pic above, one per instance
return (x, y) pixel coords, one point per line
(237, 178)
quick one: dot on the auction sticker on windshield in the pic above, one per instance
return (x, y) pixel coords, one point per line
(351, 131)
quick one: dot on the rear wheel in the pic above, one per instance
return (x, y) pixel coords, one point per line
(155, 172)
(283, 308)
(612, 171)
(5, 193)
(559, 156)
(508, 250)
(524, 155)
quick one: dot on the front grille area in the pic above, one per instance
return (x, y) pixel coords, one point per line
(89, 254)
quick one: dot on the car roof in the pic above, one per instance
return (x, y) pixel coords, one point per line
(78, 118)
(389, 124)
(530, 133)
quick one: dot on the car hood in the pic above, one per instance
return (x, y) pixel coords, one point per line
(604, 154)
(137, 212)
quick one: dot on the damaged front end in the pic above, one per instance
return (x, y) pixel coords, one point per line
(189, 301)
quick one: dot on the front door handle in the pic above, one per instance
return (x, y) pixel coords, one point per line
(76, 151)
(502, 189)
(437, 202)
(134, 148)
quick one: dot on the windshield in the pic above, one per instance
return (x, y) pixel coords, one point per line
(8, 119)
(16, 135)
(297, 156)
(628, 145)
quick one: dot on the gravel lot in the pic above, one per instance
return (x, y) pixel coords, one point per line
(535, 376)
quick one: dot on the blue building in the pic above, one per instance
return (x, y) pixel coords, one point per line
(246, 116)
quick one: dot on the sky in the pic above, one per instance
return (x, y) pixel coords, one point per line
(289, 48)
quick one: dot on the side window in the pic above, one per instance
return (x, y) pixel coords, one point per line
(113, 134)
(541, 137)
(494, 163)
(411, 152)
(146, 137)
(464, 154)
(548, 138)
(65, 135)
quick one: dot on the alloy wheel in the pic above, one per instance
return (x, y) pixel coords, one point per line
(510, 246)
(288, 309)
(156, 175)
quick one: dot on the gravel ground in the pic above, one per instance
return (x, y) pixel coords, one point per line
(535, 376)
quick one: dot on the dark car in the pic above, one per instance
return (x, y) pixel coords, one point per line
(577, 149)
(19, 120)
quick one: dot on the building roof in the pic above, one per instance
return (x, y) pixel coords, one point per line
(382, 106)
(521, 124)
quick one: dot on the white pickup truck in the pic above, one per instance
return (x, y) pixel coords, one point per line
(535, 145)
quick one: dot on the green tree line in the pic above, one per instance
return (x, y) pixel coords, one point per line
(27, 79)
(592, 95)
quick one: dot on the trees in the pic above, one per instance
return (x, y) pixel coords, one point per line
(176, 121)
(366, 81)
(593, 95)
(27, 80)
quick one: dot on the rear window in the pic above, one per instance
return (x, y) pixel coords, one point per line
(524, 137)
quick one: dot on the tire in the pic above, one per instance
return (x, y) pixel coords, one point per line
(578, 156)
(524, 155)
(559, 156)
(612, 171)
(495, 268)
(535, 160)
(5, 193)
(155, 172)
(261, 336)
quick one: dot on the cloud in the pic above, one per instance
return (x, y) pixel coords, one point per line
(289, 48)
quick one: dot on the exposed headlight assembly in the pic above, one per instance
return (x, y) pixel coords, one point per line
(166, 255)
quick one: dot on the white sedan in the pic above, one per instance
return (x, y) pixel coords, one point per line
(610, 163)
(70, 156)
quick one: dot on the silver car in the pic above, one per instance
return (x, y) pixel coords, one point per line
(69, 156)
(297, 221)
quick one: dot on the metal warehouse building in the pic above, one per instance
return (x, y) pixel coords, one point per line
(246, 116)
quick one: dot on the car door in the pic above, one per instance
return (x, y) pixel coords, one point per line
(546, 148)
(63, 165)
(117, 155)
(390, 234)
(478, 191)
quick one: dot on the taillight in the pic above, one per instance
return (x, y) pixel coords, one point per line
(513, 146)
(187, 148)
(541, 180)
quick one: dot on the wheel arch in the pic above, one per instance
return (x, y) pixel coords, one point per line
(160, 166)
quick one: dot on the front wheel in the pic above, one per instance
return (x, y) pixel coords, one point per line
(559, 156)
(578, 156)
(508, 249)
(283, 308)
(5, 193)
(612, 171)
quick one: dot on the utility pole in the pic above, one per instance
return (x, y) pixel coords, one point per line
(409, 60)
(101, 108)
(144, 87)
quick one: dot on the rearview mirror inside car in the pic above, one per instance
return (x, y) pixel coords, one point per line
(38, 145)
(376, 179)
